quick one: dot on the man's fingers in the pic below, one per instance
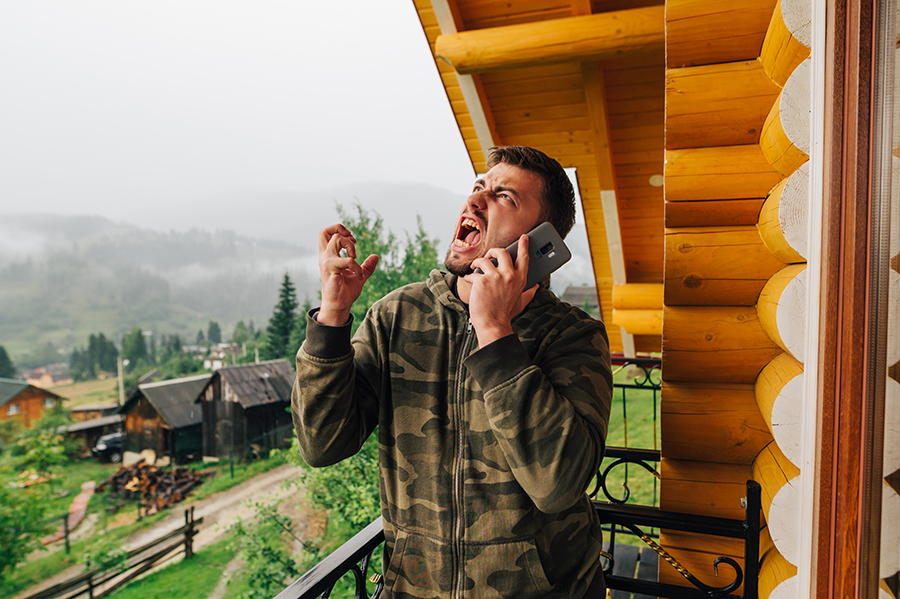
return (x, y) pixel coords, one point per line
(523, 257)
(368, 266)
(337, 230)
(340, 242)
(341, 265)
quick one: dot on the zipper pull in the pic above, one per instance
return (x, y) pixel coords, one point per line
(469, 327)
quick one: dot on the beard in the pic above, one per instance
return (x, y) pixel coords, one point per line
(457, 267)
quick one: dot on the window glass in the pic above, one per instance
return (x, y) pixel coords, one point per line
(13, 409)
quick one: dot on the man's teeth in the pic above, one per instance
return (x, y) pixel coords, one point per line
(471, 224)
(461, 243)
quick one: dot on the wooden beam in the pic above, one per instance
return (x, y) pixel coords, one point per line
(583, 38)
(719, 173)
(716, 266)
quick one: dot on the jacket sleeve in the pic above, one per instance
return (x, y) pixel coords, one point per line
(549, 418)
(334, 401)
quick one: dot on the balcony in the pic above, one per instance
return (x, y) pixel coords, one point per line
(625, 494)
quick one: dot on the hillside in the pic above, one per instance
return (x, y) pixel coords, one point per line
(62, 278)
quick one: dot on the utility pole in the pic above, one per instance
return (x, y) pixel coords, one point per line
(121, 380)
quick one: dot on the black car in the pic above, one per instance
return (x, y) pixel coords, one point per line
(110, 447)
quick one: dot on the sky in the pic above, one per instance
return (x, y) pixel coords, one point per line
(115, 107)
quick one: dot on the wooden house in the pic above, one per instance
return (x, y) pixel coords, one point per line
(24, 403)
(247, 407)
(46, 378)
(165, 417)
(739, 173)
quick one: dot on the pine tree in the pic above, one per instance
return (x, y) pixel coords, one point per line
(298, 334)
(214, 332)
(7, 370)
(278, 333)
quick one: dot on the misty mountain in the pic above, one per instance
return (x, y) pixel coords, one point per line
(62, 278)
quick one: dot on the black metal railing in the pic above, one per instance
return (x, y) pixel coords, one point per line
(610, 500)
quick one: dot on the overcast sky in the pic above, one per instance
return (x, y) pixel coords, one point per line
(113, 106)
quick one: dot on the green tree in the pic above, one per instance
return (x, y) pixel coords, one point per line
(201, 338)
(134, 348)
(264, 545)
(22, 521)
(87, 362)
(278, 333)
(213, 332)
(7, 370)
(241, 333)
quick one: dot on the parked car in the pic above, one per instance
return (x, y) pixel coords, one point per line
(110, 447)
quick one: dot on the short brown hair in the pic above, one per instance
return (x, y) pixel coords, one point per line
(558, 195)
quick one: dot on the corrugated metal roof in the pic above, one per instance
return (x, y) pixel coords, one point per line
(9, 389)
(96, 423)
(260, 384)
(174, 400)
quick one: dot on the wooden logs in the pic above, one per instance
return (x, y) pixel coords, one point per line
(777, 577)
(788, 39)
(784, 219)
(700, 32)
(893, 332)
(780, 498)
(721, 344)
(697, 553)
(637, 296)
(719, 266)
(574, 39)
(705, 421)
(782, 310)
(890, 524)
(713, 213)
(884, 591)
(779, 396)
(717, 104)
(891, 427)
(718, 173)
(705, 488)
(785, 134)
(639, 322)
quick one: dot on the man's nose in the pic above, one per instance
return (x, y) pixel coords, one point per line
(478, 199)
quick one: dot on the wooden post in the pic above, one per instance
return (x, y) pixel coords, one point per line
(189, 533)
(784, 218)
(573, 39)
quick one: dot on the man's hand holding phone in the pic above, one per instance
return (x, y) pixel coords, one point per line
(342, 277)
(497, 295)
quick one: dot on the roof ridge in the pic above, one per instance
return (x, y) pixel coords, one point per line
(186, 379)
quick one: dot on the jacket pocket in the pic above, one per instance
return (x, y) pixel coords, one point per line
(420, 567)
(513, 569)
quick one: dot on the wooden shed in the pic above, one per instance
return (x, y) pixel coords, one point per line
(739, 173)
(165, 417)
(247, 408)
(24, 403)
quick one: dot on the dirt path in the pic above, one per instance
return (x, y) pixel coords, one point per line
(218, 511)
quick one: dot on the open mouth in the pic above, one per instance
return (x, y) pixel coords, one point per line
(468, 234)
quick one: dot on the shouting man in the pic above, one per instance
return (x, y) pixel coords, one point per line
(491, 402)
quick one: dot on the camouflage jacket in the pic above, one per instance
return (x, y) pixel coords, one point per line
(485, 454)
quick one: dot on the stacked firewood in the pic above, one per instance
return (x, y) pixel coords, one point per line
(156, 488)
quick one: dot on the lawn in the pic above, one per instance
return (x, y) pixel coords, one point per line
(89, 393)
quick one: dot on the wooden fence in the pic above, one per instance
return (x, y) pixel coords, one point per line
(101, 582)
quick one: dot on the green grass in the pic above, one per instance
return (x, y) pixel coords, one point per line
(200, 574)
(43, 564)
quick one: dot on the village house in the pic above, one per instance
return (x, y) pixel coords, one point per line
(246, 408)
(165, 418)
(48, 377)
(24, 402)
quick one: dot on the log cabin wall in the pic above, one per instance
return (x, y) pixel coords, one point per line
(736, 191)
(29, 405)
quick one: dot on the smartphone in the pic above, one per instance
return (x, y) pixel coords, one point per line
(548, 252)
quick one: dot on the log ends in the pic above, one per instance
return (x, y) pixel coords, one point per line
(782, 310)
(780, 483)
(787, 41)
(785, 134)
(777, 576)
(784, 218)
(779, 397)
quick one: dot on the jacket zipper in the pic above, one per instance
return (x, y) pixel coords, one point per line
(457, 470)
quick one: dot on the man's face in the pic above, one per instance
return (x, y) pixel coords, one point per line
(504, 204)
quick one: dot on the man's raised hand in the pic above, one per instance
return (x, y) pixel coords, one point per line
(342, 277)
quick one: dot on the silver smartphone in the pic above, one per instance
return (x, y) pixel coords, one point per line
(548, 252)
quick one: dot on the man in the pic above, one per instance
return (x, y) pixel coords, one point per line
(491, 402)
